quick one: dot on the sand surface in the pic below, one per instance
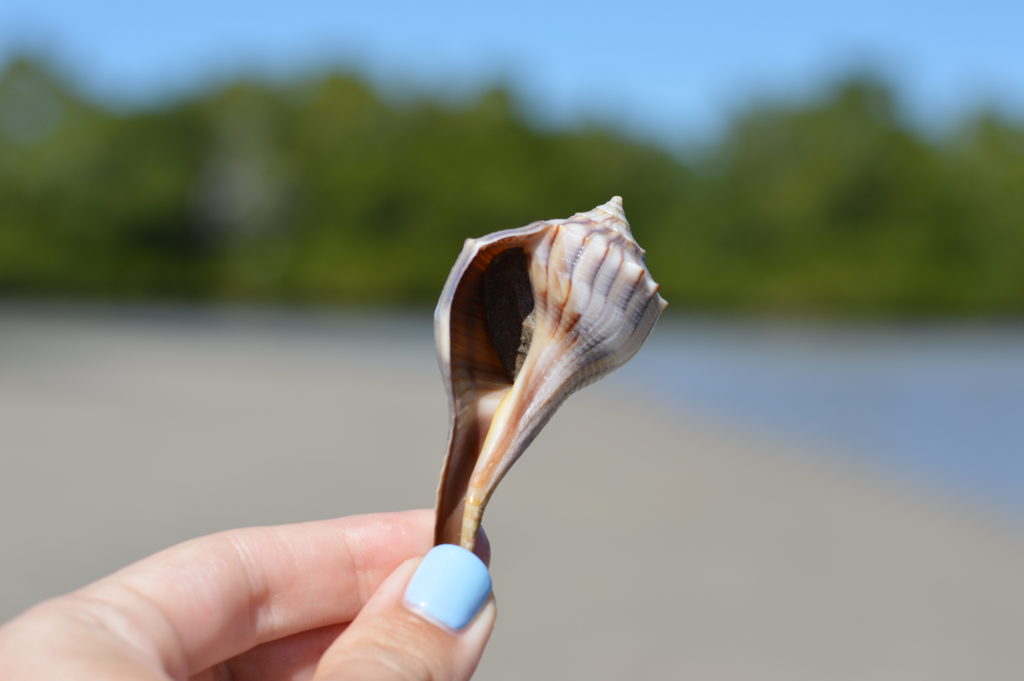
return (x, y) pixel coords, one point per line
(630, 542)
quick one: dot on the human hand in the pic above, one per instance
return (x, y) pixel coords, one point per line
(326, 600)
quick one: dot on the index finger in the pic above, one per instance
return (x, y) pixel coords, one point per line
(209, 599)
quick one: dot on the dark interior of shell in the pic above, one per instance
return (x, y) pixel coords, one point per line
(508, 303)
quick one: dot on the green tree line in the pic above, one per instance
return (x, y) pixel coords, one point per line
(322, 190)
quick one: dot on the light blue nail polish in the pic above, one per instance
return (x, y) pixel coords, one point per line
(450, 586)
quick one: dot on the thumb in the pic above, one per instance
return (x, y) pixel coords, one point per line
(428, 621)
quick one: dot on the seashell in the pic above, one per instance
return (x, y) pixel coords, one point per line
(527, 317)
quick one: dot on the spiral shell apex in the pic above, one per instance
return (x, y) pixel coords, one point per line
(527, 317)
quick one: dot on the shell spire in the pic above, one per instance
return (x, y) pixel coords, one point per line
(527, 317)
(615, 210)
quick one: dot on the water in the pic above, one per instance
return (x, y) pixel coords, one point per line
(937, 403)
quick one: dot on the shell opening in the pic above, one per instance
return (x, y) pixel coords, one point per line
(508, 304)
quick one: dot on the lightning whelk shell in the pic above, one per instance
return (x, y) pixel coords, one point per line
(527, 317)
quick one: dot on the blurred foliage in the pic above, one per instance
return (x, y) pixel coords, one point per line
(322, 190)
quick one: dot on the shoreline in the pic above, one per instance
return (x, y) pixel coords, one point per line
(630, 540)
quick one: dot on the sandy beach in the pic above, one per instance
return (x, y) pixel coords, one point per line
(632, 541)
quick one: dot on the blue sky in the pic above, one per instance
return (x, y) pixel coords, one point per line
(669, 71)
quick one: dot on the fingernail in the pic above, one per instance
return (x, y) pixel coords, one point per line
(450, 586)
